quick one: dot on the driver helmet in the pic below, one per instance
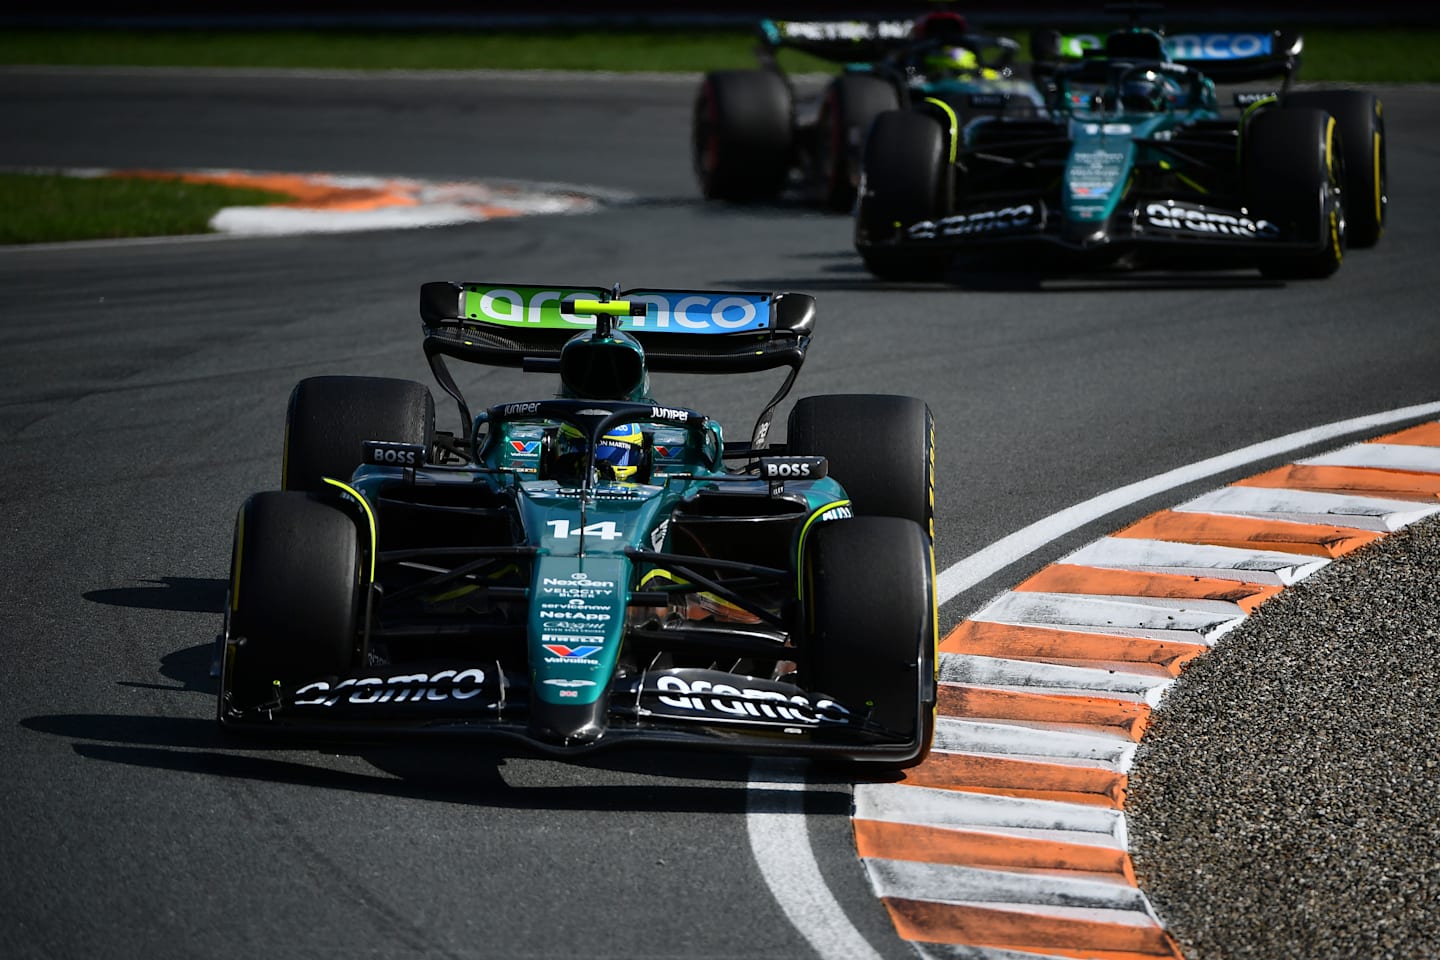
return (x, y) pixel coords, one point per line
(951, 60)
(616, 458)
(1144, 93)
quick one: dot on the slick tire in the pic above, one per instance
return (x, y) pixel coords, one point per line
(1293, 173)
(742, 134)
(295, 595)
(330, 418)
(1361, 123)
(903, 183)
(881, 449)
(871, 614)
(852, 102)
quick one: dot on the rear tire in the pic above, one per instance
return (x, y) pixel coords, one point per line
(295, 596)
(1294, 169)
(330, 418)
(905, 160)
(741, 135)
(852, 102)
(881, 450)
(1359, 118)
(871, 612)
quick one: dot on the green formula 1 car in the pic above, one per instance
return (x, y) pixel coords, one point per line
(594, 567)
(1134, 161)
(758, 132)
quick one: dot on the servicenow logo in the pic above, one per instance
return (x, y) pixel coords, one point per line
(680, 312)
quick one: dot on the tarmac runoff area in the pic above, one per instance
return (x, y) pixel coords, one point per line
(1250, 823)
(334, 203)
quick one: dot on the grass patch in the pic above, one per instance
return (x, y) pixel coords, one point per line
(1356, 55)
(46, 208)
(667, 51)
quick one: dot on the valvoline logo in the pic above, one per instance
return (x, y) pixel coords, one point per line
(571, 653)
(525, 448)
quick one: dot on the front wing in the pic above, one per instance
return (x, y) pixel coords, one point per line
(1161, 226)
(691, 707)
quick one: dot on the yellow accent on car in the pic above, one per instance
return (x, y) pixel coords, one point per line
(1245, 122)
(235, 561)
(614, 308)
(954, 123)
(1379, 208)
(805, 530)
(369, 515)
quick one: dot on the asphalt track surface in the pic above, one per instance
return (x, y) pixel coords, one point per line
(142, 399)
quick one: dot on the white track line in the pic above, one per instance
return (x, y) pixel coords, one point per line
(779, 838)
(780, 841)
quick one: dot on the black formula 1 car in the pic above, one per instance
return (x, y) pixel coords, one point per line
(1135, 160)
(594, 567)
(754, 135)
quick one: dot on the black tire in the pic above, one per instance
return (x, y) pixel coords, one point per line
(1293, 174)
(1361, 122)
(870, 597)
(852, 102)
(295, 595)
(903, 184)
(329, 418)
(741, 135)
(881, 450)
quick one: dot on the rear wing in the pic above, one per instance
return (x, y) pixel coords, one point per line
(839, 41)
(1223, 57)
(681, 331)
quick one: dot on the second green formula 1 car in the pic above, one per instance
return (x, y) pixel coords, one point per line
(1135, 161)
(757, 132)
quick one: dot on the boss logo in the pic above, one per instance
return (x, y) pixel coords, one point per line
(394, 454)
(793, 468)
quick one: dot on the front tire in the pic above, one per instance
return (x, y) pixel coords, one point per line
(1361, 124)
(905, 163)
(295, 608)
(741, 135)
(1294, 169)
(871, 610)
(330, 418)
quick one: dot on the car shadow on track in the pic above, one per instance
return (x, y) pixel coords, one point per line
(674, 782)
(845, 272)
(181, 594)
